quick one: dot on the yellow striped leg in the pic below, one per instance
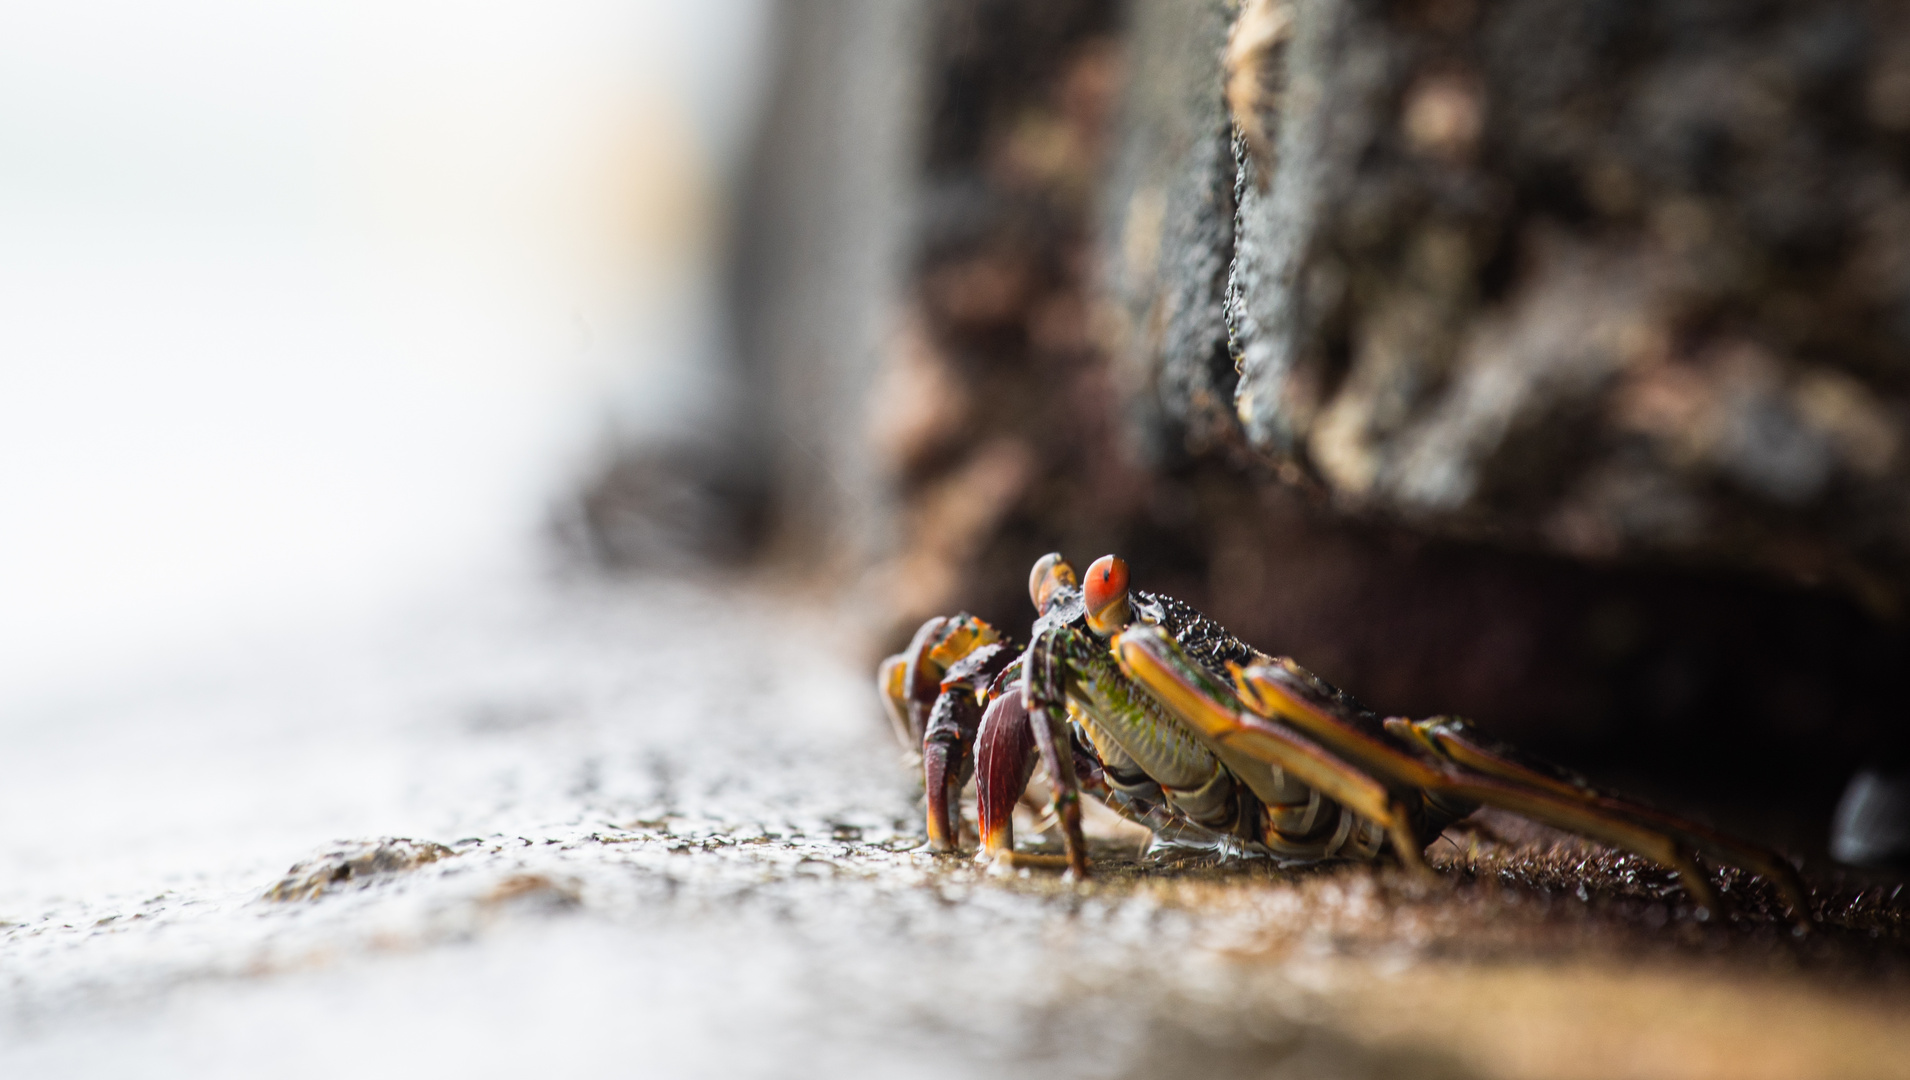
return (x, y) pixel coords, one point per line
(1460, 743)
(1285, 691)
(1250, 744)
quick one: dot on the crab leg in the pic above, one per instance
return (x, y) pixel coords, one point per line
(947, 764)
(1005, 759)
(1140, 743)
(1460, 743)
(1286, 692)
(1044, 689)
(1152, 658)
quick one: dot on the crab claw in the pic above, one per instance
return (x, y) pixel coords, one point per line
(946, 764)
(948, 742)
(1004, 759)
(1105, 595)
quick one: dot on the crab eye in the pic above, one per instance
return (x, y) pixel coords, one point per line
(1051, 572)
(1105, 595)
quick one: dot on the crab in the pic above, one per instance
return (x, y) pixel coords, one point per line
(1154, 709)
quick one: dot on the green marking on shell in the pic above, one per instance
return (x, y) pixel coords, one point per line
(1163, 747)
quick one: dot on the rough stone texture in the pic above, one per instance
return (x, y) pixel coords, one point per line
(674, 839)
(1169, 197)
(1609, 280)
(353, 865)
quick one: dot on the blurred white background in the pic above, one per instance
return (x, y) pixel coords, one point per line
(307, 308)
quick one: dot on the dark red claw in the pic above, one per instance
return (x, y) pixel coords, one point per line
(946, 764)
(943, 796)
(1004, 759)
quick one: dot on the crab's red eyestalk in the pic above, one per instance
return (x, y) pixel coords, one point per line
(1051, 572)
(1004, 759)
(1105, 595)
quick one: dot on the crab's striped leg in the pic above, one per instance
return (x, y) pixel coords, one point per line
(1459, 742)
(1285, 692)
(1044, 690)
(1347, 758)
(1252, 745)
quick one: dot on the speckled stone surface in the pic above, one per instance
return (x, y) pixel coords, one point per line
(657, 829)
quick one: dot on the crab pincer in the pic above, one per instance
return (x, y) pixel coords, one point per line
(933, 692)
(1004, 761)
(948, 743)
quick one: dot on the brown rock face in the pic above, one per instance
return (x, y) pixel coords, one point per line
(1608, 280)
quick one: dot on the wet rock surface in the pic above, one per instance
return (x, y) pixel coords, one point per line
(661, 829)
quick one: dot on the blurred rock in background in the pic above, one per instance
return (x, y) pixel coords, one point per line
(816, 270)
(1539, 362)
(665, 504)
(1604, 280)
(1619, 283)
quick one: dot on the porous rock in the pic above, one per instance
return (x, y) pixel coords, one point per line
(1608, 280)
